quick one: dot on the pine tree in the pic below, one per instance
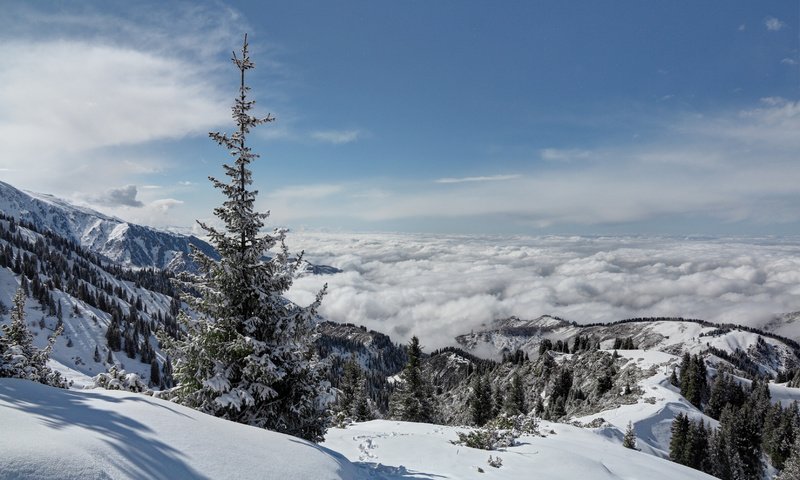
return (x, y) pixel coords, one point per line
(629, 441)
(249, 356)
(352, 400)
(791, 469)
(412, 400)
(19, 358)
(720, 461)
(97, 357)
(693, 379)
(742, 433)
(696, 451)
(361, 410)
(718, 398)
(481, 400)
(673, 379)
(515, 401)
(678, 442)
(166, 373)
(155, 374)
(498, 400)
(351, 378)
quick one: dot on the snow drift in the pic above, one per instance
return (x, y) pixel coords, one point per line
(69, 434)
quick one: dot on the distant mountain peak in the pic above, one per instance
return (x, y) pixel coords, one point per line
(122, 242)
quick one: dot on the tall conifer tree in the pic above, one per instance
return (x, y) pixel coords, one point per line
(248, 358)
(413, 399)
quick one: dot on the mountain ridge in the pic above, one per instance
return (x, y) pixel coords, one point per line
(122, 242)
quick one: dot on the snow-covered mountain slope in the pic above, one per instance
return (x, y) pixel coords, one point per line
(654, 410)
(785, 324)
(512, 334)
(122, 242)
(376, 354)
(69, 434)
(765, 351)
(659, 403)
(419, 450)
(71, 285)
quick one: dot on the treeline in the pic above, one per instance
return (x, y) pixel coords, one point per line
(339, 344)
(580, 343)
(726, 327)
(46, 262)
(478, 364)
(749, 425)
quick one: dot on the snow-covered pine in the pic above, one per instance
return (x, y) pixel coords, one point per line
(116, 379)
(19, 358)
(248, 357)
(791, 470)
(351, 402)
(629, 441)
(413, 398)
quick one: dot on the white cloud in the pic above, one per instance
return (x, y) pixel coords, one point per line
(489, 178)
(789, 61)
(86, 88)
(440, 286)
(773, 24)
(159, 213)
(336, 137)
(306, 192)
(119, 197)
(731, 167)
(773, 101)
(565, 155)
(164, 205)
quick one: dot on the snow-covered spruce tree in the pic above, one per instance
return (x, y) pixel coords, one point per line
(248, 357)
(791, 469)
(480, 400)
(629, 441)
(19, 358)
(352, 403)
(412, 401)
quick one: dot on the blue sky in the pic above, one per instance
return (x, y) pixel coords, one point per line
(455, 117)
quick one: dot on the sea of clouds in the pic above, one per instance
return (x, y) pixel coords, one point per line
(437, 286)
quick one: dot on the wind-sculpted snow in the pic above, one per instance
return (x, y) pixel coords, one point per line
(440, 286)
(419, 450)
(56, 433)
(68, 434)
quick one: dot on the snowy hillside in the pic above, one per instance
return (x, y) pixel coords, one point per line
(104, 434)
(69, 285)
(768, 352)
(786, 324)
(660, 402)
(122, 242)
(84, 330)
(419, 450)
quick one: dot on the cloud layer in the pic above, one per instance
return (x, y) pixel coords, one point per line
(440, 286)
(733, 167)
(81, 94)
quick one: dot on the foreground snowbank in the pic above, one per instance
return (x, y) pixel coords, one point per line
(417, 450)
(68, 434)
(79, 434)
